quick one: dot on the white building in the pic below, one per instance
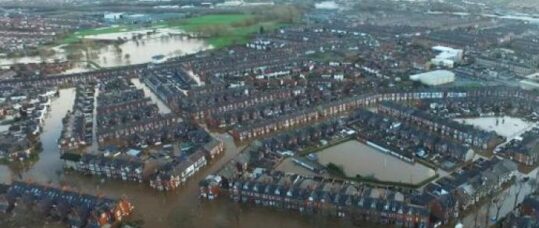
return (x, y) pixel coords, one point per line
(112, 16)
(434, 78)
(531, 82)
(447, 56)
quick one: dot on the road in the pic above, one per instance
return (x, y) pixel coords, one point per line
(507, 203)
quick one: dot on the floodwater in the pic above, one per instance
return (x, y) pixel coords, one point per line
(358, 158)
(507, 126)
(49, 166)
(181, 208)
(163, 108)
(142, 51)
(507, 202)
(163, 42)
(287, 165)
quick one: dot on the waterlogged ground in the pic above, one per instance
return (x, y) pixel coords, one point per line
(181, 208)
(162, 42)
(358, 158)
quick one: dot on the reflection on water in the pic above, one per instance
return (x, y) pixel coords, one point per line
(49, 166)
(142, 51)
(130, 52)
(358, 158)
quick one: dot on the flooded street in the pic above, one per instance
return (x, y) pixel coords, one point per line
(49, 166)
(181, 208)
(358, 158)
(507, 203)
(163, 108)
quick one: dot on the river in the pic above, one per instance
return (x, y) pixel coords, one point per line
(358, 158)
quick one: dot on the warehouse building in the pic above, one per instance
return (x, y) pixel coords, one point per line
(434, 78)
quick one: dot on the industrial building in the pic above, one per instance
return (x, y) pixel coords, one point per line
(434, 78)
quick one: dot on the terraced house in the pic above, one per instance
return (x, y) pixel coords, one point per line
(328, 197)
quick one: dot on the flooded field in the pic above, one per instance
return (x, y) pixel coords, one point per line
(163, 42)
(506, 126)
(142, 50)
(181, 208)
(358, 158)
(287, 165)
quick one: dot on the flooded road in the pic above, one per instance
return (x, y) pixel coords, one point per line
(181, 208)
(507, 201)
(358, 158)
(163, 108)
(49, 166)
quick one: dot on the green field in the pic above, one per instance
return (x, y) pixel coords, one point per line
(233, 26)
(191, 24)
(75, 37)
(229, 28)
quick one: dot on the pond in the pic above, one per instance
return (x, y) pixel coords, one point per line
(357, 158)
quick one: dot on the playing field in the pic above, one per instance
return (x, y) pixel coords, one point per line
(233, 28)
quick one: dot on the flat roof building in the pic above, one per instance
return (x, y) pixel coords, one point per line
(434, 78)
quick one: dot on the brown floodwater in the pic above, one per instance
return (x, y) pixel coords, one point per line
(358, 158)
(181, 208)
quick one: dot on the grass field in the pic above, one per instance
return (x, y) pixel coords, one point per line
(75, 37)
(236, 33)
(233, 30)
(191, 24)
